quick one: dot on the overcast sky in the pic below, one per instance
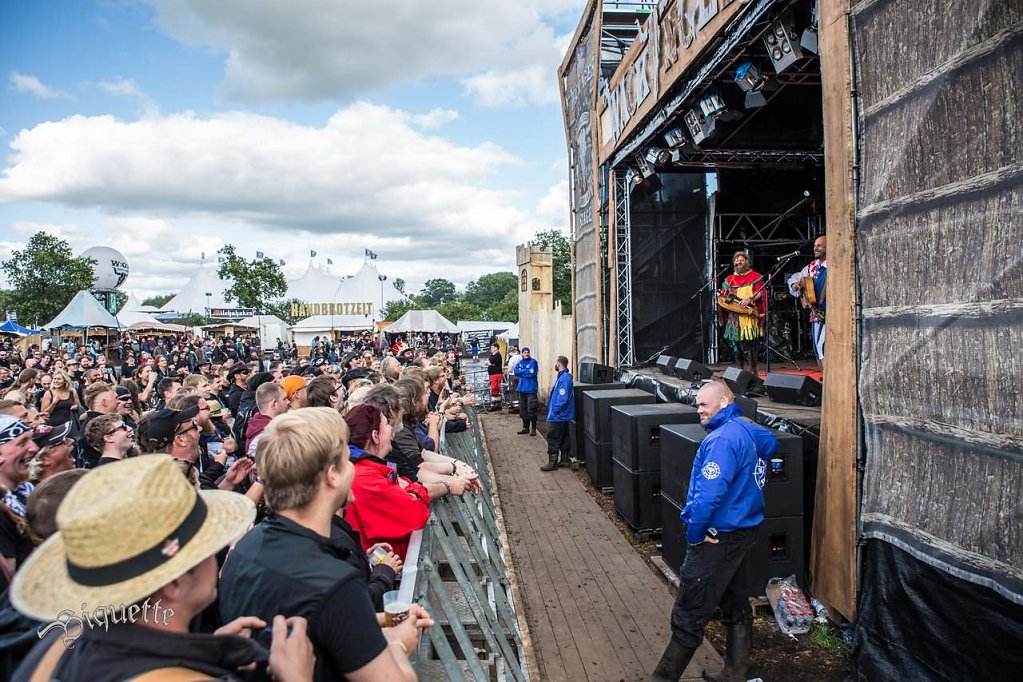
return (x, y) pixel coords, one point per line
(428, 132)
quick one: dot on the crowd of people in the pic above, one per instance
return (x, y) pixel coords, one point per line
(296, 471)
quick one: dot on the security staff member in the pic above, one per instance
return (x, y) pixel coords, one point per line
(724, 507)
(560, 413)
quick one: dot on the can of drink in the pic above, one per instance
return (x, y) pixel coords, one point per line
(377, 556)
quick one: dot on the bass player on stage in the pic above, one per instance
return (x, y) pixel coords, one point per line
(744, 331)
(817, 271)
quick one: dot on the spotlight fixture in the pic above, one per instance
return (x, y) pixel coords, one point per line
(781, 45)
(700, 128)
(809, 39)
(675, 138)
(632, 178)
(712, 105)
(645, 169)
(752, 81)
(657, 156)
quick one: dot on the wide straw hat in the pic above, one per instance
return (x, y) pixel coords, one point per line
(124, 531)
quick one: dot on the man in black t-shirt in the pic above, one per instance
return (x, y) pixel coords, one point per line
(495, 371)
(288, 565)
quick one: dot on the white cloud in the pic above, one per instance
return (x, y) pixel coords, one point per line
(435, 118)
(553, 209)
(518, 88)
(30, 84)
(123, 87)
(313, 49)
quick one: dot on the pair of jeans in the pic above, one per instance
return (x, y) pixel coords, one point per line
(713, 575)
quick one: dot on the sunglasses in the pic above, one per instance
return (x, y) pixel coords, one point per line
(122, 427)
(192, 426)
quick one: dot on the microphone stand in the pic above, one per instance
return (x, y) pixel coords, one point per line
(703, 329)
(767, 315)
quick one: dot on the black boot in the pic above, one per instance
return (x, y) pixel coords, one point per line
(673, 662)
(552, 462)
(565, 460)
(525, 429)
(532, 429)
(737, 646)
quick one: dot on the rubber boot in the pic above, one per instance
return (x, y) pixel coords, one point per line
(525, 428)
(673, 662)
(737, 646)
(566, 460)
(552, 462)
(532, 428)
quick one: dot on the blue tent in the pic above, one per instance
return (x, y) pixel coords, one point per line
(12, 327)
(83, 312)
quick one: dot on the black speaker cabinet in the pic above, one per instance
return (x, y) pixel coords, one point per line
(679, 443)
(795, 389)
(637, 496)
(573, 439)
(593, 373)
(740, 381)
(667, 364)
(597, 410)
(748, 406)
(598, 463)
(636, 432)
(691, 370)
(673, 534)
(578, 425)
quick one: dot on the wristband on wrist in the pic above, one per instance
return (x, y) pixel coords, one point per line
(454, 467)
(446, 486)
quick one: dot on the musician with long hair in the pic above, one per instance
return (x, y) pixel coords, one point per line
(817, 273)
(744, 330)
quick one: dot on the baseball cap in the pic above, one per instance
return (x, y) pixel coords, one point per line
(163, 423)
(51, 435)
(292, 384)
(122, 392)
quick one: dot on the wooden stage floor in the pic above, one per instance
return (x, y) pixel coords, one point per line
(594, 609)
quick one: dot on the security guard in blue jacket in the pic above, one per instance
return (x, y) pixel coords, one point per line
(560, 411)
(724, 507)
(527, 371)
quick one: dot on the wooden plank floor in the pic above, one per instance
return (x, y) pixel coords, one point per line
(595, 609)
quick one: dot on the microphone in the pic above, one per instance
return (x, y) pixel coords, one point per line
(789, 255)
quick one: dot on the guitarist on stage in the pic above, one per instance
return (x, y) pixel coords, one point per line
(744, 332)
(817, 270)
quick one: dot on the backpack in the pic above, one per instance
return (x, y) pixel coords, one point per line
(241, 424)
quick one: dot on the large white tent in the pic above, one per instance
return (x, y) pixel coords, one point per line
(422, 321)
(324, 325)
(132, 313)
(83, 312)
(366, 286)
(192, 297)
(271, 328)
(315, 285)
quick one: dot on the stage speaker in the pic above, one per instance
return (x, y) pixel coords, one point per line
(673, 534)
(783, 488)
(637, 496)
(636, 432)
(667, 364)
(578, 424)
(573, 439)
(598, 463)
(748, 407)
(740, 381)
(795, 389)
(593, 373)
(679, 443)
(597, 410)
(691, 370)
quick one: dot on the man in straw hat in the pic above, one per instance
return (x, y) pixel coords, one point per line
(132, 563)
(288, 564)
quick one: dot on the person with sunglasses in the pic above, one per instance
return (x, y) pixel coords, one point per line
(111, 437)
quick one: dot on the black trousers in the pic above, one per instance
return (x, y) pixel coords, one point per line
(713, 575)
(557, 438)
(528, 407)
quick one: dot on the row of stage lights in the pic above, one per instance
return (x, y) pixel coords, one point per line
(701, 121)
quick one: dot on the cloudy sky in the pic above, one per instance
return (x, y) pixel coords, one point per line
(428, 132)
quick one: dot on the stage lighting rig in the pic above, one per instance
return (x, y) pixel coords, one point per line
(646, 170)
(676, 138)
(700, 128)
(712, 106)
(809, 39)
(781, 44)
(657, 156)
(752, 81)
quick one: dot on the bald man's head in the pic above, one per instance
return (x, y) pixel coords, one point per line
(714, 396)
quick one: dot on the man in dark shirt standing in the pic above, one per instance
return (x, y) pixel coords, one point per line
(288, 564)
(495, 371)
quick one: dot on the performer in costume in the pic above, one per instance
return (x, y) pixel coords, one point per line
(818, 270)
(743, 332)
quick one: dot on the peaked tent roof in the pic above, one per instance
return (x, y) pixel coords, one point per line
(422, 321)
(365, 285)
(315, 285)
(131, 313)
(83, 311)
(12, 327)
(192, 297)
(132, 305)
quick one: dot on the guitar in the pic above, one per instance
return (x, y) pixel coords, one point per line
(808, 298)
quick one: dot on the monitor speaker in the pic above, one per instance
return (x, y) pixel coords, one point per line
(594, 373)
(667, 364)
(691, 370)
(794, 389)
(740, 381)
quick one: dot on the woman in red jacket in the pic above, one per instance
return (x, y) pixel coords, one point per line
(386, 507)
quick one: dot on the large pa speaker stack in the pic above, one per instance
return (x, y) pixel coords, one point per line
(636, 458)
(597, 427)
(780, 547)
(576, 432)
(795, 389)
(594, 373)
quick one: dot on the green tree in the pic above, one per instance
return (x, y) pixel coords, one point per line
(282, 309)
(158, 301)
(437, 291)
(44, 276)
(254, 283)
(505, 310)
(561, 248)
(460, 310)
(490, 289)
(399, 284)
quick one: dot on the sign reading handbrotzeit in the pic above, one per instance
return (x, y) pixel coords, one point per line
(307, 309)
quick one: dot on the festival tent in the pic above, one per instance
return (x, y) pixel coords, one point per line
(422, 321)
(271, 328)
(133, 305)
(315, 285)
(326, 325)
(192, 296)
(366, 286)
(83, 312)
(130, 313)
(12, 327)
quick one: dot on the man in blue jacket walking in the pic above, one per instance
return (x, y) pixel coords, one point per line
(527, 371)
(560, 411)
(724, 507)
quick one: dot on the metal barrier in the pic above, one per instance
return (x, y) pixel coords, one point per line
(461, 578)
